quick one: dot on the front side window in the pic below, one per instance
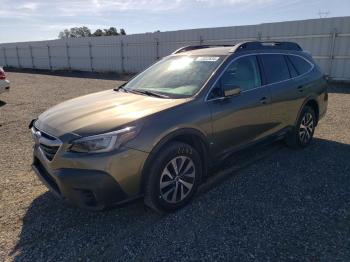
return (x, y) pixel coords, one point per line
(275, 68)
(176, 76)
(243, 73)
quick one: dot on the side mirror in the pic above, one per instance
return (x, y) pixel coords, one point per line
(231, 91)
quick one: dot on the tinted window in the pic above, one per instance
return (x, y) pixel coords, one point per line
(293, 72)
(275, 67)
(300, 64)
(243, 73)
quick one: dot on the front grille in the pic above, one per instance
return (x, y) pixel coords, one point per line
(48, 144)
(49, 151)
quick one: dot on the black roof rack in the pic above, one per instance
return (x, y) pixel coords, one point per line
(247, 46)
(195, 47)
(258, 45)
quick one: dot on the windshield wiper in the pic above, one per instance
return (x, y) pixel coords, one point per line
(148, 93)
(121, 88)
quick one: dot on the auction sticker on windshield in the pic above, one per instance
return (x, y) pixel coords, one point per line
(207, 58)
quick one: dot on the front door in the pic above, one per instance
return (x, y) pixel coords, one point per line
(241, 118)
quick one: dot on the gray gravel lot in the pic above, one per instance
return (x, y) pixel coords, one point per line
(271, 204)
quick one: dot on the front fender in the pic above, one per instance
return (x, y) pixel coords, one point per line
(172, 136)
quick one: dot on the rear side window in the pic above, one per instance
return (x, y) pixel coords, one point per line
(293, 72)
(300, 64)
(275, 67)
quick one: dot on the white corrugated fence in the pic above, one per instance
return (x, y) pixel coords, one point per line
(328, 40)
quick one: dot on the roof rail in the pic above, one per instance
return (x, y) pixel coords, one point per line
(258, 45)
(195, 47)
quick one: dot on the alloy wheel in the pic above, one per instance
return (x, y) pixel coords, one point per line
(306, 128)
(177, 179)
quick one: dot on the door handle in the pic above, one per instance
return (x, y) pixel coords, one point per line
(300, 89)
(263, 100)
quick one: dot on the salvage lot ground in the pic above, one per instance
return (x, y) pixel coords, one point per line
(273, 203)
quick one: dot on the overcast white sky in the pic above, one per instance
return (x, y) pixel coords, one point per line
(22, 20)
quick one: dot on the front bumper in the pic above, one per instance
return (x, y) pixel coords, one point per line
(4, 86)
(89, 183)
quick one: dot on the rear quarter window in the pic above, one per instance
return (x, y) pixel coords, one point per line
(300, 64)
(275, 68)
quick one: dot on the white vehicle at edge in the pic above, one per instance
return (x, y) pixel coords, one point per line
(4, 84)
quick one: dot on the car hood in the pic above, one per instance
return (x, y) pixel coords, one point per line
(100, 112)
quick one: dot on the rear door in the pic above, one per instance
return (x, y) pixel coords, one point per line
(284, 90)
(243, 118)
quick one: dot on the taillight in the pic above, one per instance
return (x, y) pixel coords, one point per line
(2, 74)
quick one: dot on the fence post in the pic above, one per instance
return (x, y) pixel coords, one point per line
(91, 61)
(5, 56)
(157, 49)
(68, 58)
(19, 64)
(259, 36)
(331, 53)
(31, 56)
(201, 40)
(122, 56)
(49, 56)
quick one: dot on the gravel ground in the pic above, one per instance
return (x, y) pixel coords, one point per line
(276, 204)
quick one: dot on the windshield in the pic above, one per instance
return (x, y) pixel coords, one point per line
(176, 76)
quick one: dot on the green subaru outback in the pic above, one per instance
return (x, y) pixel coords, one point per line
(158, 135)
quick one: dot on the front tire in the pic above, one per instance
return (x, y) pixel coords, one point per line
(174, 177)
(302, 134)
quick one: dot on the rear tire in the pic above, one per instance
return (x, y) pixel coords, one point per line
(301, 135)
(174, 177)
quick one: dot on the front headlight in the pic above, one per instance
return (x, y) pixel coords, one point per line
(104, 142)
